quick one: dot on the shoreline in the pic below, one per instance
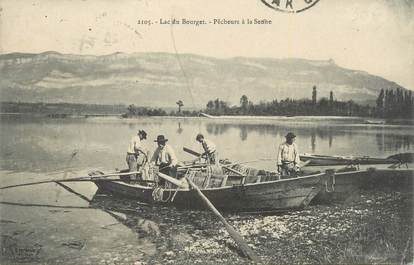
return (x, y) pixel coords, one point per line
(373, 227)
(357, 120)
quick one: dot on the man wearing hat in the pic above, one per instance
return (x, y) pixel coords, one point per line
(288, 157)
(209, 147)
(135, 151)
(164, 157)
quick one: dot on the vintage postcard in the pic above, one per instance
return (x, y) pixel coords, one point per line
(206, 132)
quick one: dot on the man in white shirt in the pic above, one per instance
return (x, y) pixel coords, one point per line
(288, 157)
(210, 151)
(164, 157)
(135, 152)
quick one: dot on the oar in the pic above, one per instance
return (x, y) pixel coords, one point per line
(98, 177)
(194, 153)
(192, 166)
(304, 164)
(233, 233)
(174, 181)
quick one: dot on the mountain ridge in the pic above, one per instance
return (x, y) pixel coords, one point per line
(160, 79)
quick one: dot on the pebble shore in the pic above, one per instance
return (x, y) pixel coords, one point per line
(375, 228)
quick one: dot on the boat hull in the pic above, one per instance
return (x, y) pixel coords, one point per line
(320, 160)
(343, 186)
(279, 195)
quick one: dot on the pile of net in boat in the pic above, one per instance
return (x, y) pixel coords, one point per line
(254, 175)
(211, 176)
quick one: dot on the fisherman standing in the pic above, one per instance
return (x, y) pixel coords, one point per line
(164, 157)
(135, 151)
(288, 157)
(209, 147)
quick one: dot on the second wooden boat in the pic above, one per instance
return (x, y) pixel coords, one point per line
(326, 160)
(342, 186)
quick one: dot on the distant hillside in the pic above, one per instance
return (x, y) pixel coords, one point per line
(160, 79)
(61, 108)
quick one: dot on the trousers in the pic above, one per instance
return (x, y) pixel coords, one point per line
(132, 162)
(287, 170)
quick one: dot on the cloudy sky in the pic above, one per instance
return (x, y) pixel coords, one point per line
(376, 36)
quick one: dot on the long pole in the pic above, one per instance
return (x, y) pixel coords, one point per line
(233, 233)
(174, 181)
(69, 179)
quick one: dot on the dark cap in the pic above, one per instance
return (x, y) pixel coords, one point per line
(199, 136)
(290, 135)
(161, 139)
(143, 134)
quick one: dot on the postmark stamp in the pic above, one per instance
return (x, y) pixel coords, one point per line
(290, 6)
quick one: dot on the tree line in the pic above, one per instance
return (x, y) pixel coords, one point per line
(289, 107)
(133, 111)
(395, 103)
(391, 103)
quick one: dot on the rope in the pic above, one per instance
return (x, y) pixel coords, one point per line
(175, 193)
(158, 195)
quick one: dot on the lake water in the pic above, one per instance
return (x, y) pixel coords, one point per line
(48, 145)
(34, 148)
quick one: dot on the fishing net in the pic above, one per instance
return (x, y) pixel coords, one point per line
(254, 175)
(211, 176)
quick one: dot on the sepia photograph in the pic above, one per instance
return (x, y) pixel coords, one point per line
(138, 132)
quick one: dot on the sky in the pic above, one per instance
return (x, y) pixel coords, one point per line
(376, 36)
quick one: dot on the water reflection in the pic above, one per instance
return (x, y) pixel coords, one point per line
(387, 142)
(320, 137)
(218, 129)
(273, 129)
(179, 130)
(330, 141)
(313, 142)
(45, 145)
(68, 230)
(243, 134)
(68, 235)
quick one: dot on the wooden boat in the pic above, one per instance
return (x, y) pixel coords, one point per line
(326, 160)
(375, 122)
(202, 114)
(260, 192)
(343, 185)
